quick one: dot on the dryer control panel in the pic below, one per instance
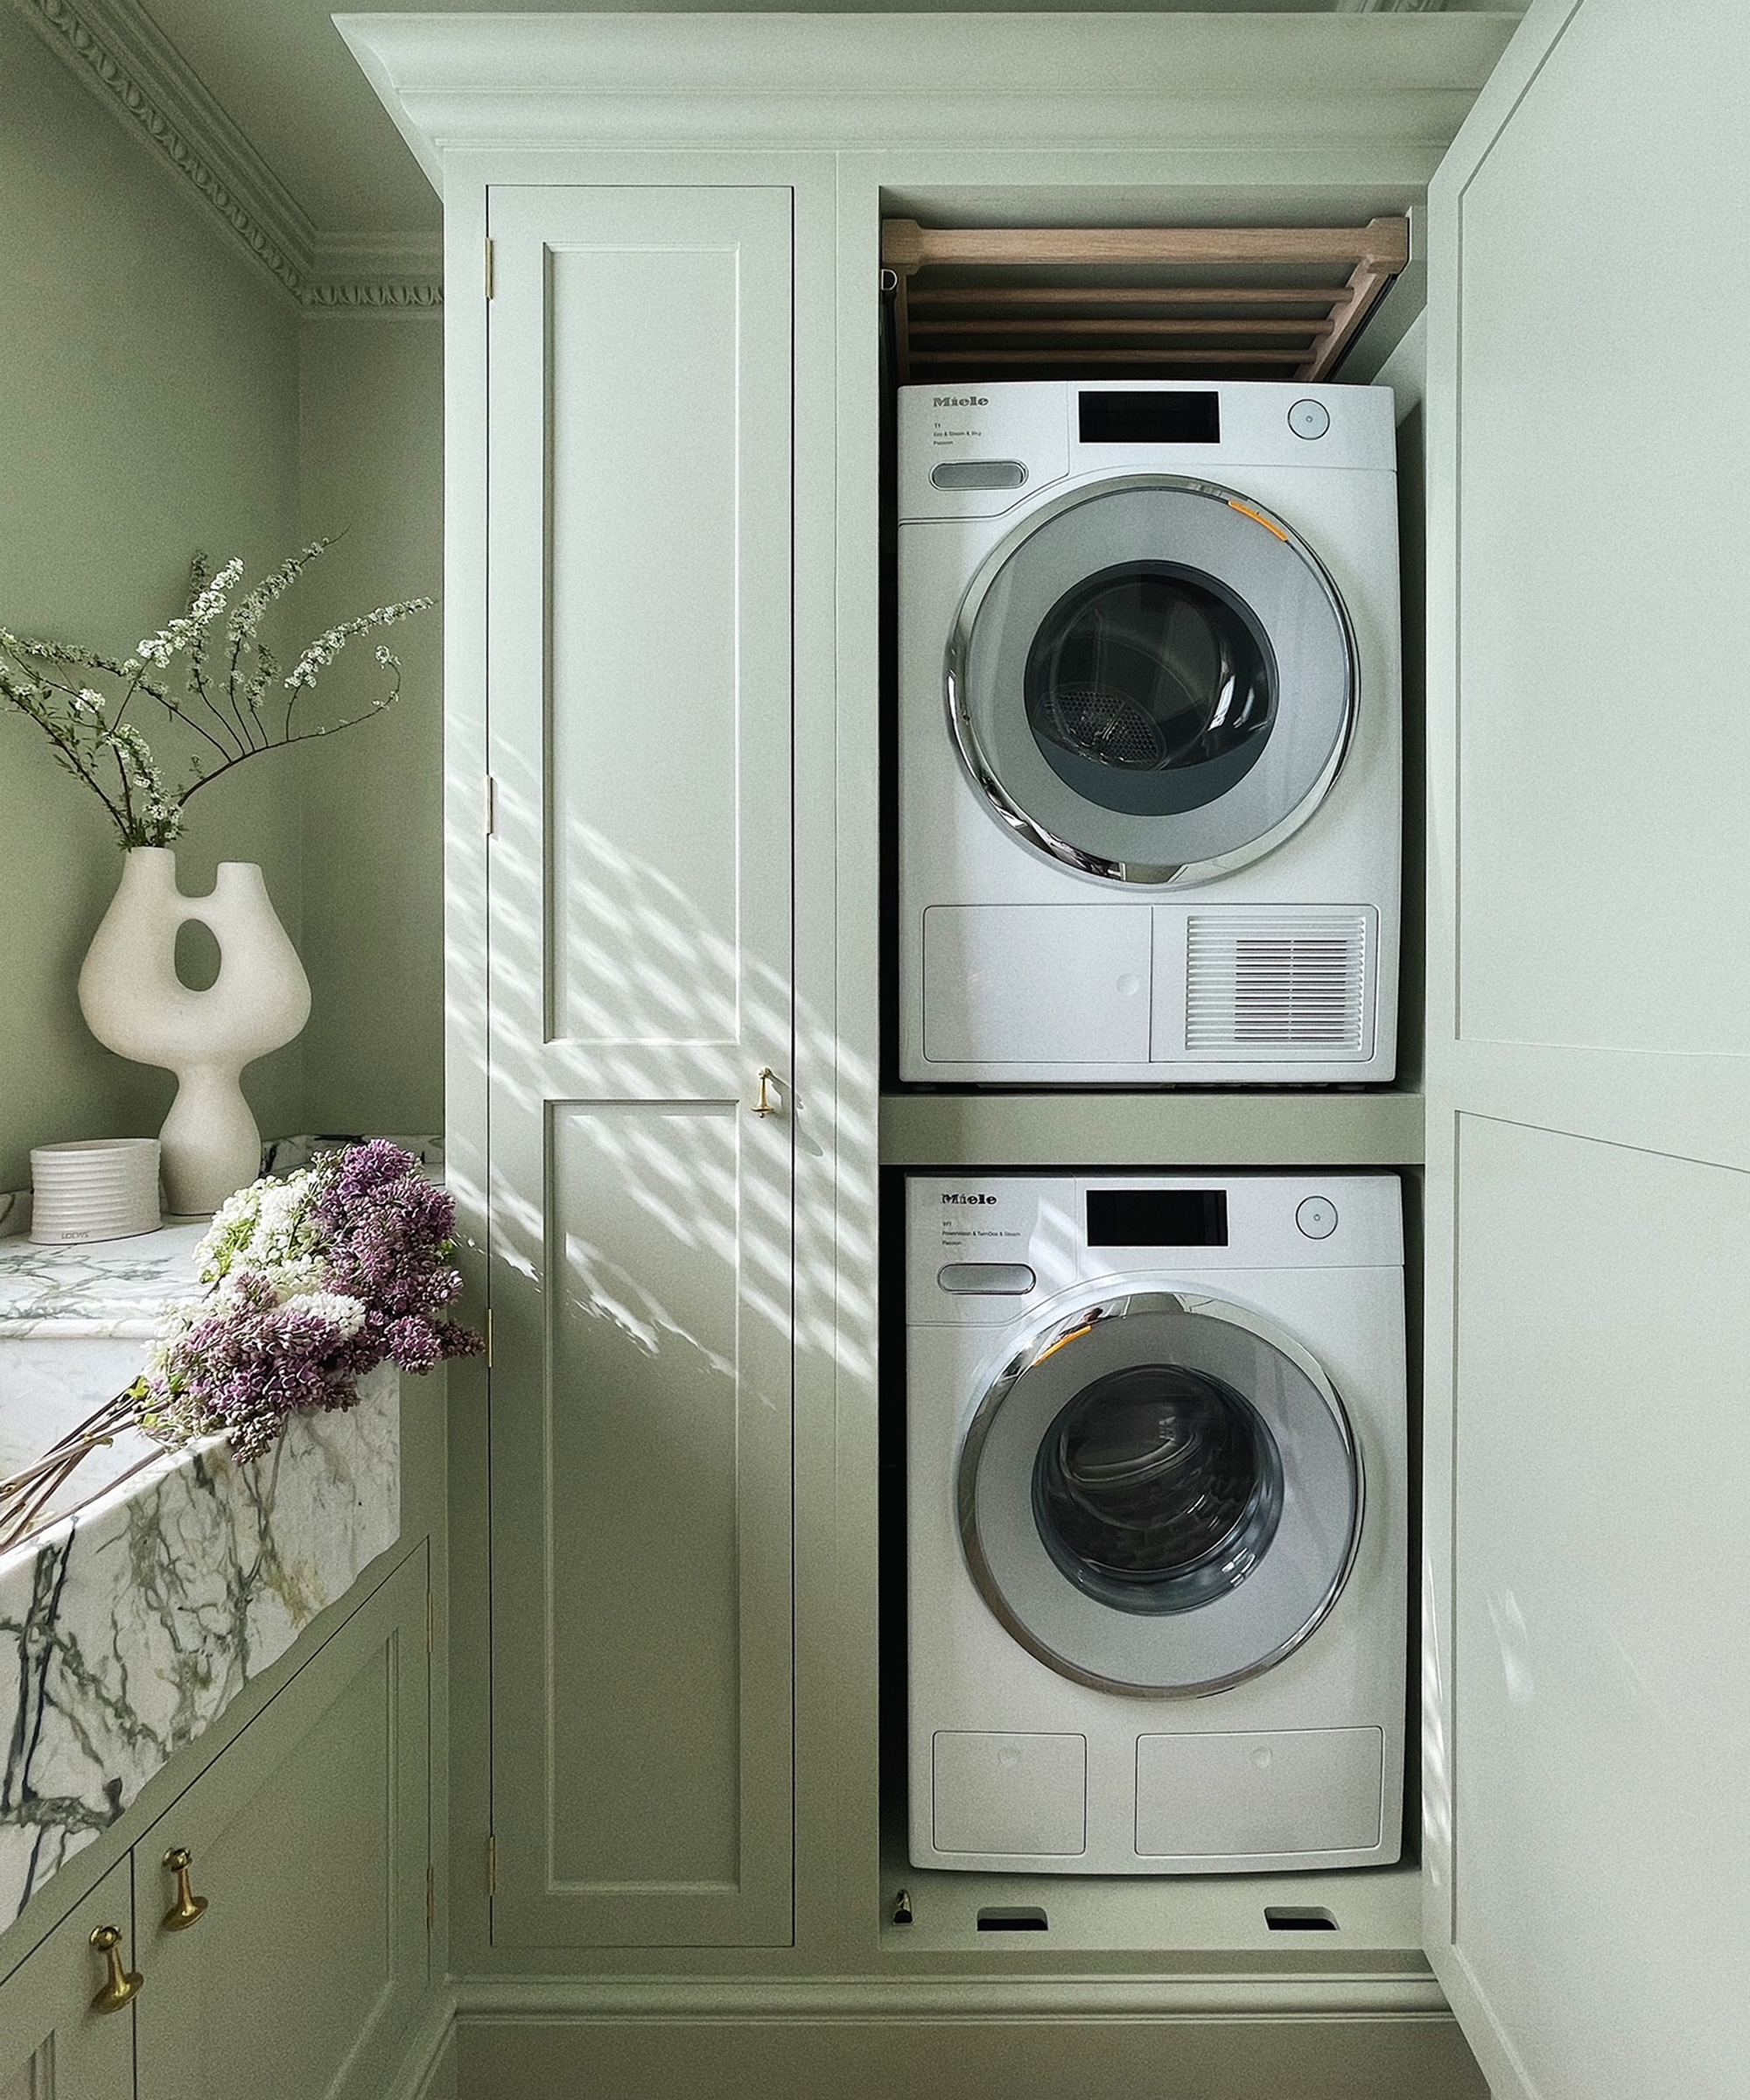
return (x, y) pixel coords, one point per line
(978, 452)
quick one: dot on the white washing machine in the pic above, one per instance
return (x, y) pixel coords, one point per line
(1157, 1522)
(1150, 747)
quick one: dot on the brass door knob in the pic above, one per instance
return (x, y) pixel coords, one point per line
(766, 1105)
(120, 1987)
(188, 1908)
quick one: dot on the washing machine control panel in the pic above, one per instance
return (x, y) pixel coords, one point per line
(981, 1246)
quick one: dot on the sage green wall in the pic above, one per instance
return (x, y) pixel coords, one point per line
(149, 406)
(372, 392)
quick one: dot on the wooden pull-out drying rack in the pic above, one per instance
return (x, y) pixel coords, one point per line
(1169, 301)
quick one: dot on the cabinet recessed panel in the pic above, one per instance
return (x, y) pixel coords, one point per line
(1603, 508)
(640, 1495)
(307, 1839)
(1601, 1564)
(644, 662)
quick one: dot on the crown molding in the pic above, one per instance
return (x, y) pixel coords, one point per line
(126, 59)
(374, 273)
(510, 84)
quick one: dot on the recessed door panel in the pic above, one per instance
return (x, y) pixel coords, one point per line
(645, 611)
(640, 1506)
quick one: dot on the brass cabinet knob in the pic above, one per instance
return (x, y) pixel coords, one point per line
(120, 1987)
(766, 1105)
(188, 1908)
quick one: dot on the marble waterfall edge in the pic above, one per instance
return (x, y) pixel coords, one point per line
(129, 1627)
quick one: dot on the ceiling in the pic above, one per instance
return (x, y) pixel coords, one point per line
(306, 123)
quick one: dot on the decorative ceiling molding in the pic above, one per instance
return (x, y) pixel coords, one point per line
(126, 59)
(514, 87)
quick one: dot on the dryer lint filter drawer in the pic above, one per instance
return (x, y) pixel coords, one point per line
(1003, 1792)
(1047, 984)
(1299, 1790)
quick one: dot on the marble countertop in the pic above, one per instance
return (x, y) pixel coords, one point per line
(104, 1287)
(132, 1618)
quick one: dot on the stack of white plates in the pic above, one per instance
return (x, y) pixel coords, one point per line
(105, 1188)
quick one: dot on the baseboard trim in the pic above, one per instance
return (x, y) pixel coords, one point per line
(428, 2067)
(482, 2001)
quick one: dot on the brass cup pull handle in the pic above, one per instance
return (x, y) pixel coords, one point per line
(120, 1987)
(188, 1908)
(766, 1105)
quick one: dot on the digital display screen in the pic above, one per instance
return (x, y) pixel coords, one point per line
(1157, 1217)
(1151, 418)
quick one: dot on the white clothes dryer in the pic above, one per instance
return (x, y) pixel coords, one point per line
(1158, 1516)
(1149, 737)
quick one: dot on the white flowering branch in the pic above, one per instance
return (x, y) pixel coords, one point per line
(225, 708)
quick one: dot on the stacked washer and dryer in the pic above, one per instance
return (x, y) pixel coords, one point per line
(1149, 798)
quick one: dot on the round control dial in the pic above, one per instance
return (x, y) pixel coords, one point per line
(1309, 419)
(1317, 1217)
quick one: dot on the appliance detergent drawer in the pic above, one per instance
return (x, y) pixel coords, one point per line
(1299, 1790)
(1037, 984)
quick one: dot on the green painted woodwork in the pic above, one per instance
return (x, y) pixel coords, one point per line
(53, 2045)
(1588, 1020)
(1152, 1130)
(309, 1840)
(1003, 2056)
(639, 942)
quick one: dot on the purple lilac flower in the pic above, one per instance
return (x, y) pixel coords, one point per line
(265, 1346)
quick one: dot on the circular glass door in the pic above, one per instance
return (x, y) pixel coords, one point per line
(1152, 681)
(1160, 1494)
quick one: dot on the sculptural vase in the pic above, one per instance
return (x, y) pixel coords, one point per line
(135, 1004)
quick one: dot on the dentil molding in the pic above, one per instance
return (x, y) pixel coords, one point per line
(126, 59)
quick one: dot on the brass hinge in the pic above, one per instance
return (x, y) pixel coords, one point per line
(491, 805)
(490, 272)
(431, 1622)
(492, 1863)
(430, 1897)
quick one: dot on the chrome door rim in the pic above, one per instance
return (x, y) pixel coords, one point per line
(1045, 1340)
(1027, 827)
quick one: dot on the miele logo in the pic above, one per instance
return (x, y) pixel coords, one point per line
(959, 1199)
(962, 400)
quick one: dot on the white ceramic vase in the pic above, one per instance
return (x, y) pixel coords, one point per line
(135, 1004)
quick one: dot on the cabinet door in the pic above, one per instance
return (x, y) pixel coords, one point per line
(1588, 1836)
(54, 2042)
(310, 1838)
(639, 710)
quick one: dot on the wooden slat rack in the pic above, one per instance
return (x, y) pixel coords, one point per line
(1171, 302)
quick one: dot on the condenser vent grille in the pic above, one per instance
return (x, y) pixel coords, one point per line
(1282, 982)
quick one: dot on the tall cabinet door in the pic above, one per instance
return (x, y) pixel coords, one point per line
(639, 710)
(1588, 1391)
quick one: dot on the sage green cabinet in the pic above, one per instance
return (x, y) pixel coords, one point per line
(642, 1031)
(309, 1843)
(294, 1966)
(55, 2041)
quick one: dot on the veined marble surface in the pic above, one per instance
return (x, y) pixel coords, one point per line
(102, 1287)
(127, 1626)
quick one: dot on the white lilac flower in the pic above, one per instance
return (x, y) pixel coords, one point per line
(335, 1308)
